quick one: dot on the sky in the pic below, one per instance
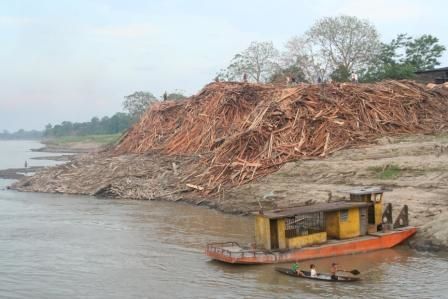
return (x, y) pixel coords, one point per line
(68, 60)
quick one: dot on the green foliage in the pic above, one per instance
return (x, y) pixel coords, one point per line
(423, 52)
(292, 71)
(388, 172)
(340, 74)
(394, 71)
(107, 125)
(402, 57)
(100, 139)
(174, 96)
(399, 71)
(137, 103)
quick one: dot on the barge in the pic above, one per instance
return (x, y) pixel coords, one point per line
(358, 225)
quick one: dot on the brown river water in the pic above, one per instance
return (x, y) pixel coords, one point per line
(61, 246)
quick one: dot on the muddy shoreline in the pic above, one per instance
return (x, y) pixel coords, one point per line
(18, 173)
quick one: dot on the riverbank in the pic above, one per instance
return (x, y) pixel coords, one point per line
(78, 144)
(68, 145)
(413, 166)
(18, 173)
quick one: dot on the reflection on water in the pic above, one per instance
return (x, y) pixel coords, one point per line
(14, 153)
(54, 246)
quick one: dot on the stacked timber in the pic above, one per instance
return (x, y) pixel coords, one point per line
(243, 131)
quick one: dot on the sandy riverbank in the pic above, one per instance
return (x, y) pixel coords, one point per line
(52, 146)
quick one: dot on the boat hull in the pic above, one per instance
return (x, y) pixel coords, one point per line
(231, 254)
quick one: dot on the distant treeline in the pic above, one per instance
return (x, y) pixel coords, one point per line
(118, 123)
(21, 134)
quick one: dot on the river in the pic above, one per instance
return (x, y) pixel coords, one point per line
(61, 246)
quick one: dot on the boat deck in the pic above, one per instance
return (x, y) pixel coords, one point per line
(232, 252)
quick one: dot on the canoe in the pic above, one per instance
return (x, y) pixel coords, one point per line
(320, 276)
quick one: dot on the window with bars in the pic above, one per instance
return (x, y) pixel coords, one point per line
(343, 215)
(302, 225)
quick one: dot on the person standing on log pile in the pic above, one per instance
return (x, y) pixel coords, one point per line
(165, 96)
(245, 78)
(319, 80)
(354, 78)
(293, 81)
(288, 80)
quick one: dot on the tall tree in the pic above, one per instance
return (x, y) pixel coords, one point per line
(175, 95)
(345, 41)
(340, 74)
(259, 61)
(301, 54)
(423, 52)
(292, 71)
(138, 102)
(404, 55)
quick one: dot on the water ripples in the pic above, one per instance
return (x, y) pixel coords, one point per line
(54, 246)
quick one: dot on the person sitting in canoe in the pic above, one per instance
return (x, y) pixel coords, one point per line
(333, 270)
(295, 268)
(313, 272)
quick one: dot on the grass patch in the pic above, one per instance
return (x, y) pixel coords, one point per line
(387, 172)
(442, 137)
(99, 139)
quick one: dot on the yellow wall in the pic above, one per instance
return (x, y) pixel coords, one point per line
(378, 213)
(262, 232)
(332, 224)
(281, 227)
(350, 228)
(301, 241)
(338, 229)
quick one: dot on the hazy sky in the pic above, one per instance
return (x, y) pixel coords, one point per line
(72, 60)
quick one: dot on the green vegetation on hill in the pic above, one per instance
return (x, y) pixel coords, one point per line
(116, 124)
(20, 134)
(99, 139)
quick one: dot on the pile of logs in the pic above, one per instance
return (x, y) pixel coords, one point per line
(243, 131)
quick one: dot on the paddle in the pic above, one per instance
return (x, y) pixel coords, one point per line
(354, 271)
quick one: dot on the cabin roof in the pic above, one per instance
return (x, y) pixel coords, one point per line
(367, 190)
(442, 69)
(323, 207)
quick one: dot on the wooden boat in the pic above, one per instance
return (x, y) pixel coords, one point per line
(320, 276)
(318, 231)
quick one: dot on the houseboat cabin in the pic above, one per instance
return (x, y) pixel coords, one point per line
(315, 224)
